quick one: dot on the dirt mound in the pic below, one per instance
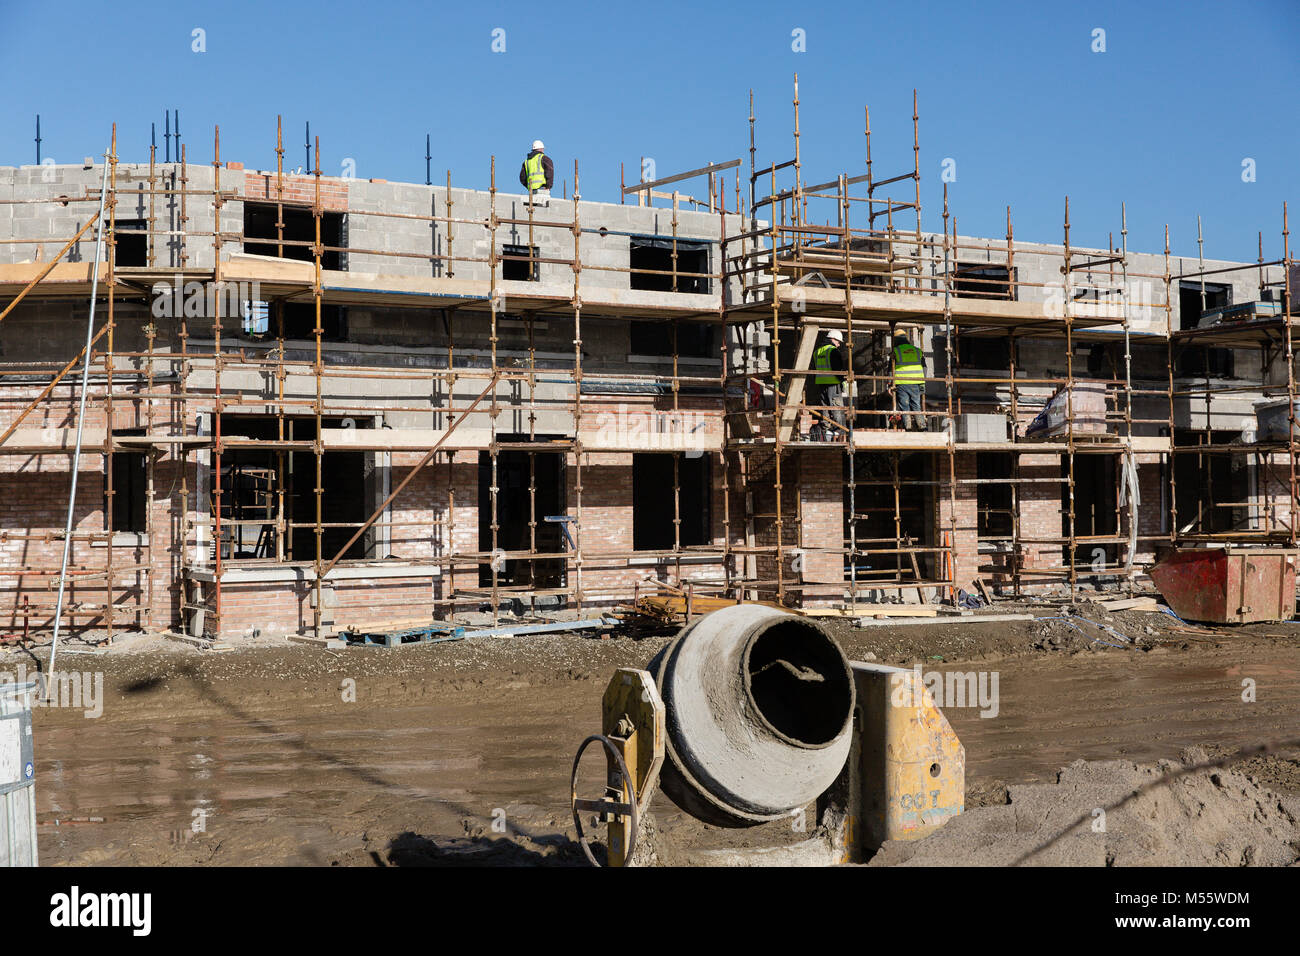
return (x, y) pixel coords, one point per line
(1118, 813)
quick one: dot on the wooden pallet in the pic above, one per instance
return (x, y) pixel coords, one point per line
(422, 634)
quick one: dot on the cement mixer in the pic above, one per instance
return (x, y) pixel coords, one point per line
(753, 713)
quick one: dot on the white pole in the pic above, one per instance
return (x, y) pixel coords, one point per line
(81, 421)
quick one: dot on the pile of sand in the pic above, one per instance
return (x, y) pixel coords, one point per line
(1208, 817)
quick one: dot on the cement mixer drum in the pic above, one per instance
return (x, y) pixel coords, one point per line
(759, 714)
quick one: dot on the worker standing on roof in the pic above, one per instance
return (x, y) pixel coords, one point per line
(829, 385)
(537, 174)
(909, 381)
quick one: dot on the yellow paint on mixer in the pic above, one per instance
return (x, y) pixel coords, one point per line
(906, 773)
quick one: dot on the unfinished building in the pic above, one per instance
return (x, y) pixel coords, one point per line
(312, 401)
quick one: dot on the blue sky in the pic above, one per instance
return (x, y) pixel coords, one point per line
(1012, 92)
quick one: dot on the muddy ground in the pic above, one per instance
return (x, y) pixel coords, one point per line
(460, 752)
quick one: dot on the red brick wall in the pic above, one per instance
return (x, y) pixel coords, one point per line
(957, 520)
(33, 508)
(286, 607)
(297, 189)
(1040, 514)
(822, 497)
(607, 526)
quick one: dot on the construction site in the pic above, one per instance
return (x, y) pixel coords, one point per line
(263, 430)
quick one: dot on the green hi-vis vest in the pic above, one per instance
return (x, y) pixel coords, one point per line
(822, 362)
(536, 172)
(909, 367)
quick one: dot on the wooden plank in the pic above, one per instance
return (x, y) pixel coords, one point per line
(35, 441)
(669, 606)
(67, 278)
(862, 262)
(326, 643)
(203, 643)
(795, 394)
(876, 610)
(975, 619)
(906, 610)
(370, 627)
(916, 570)
(897, 439)
(403, 439)
(1131, 604)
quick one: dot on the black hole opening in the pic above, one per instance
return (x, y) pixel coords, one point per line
(799, 683)
(934, 770)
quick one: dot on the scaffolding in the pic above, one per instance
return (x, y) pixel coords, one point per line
(1265, 513)
(194, 410)
(794, 260)
(800, 278)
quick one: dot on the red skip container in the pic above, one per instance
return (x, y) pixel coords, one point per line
(1229, 585)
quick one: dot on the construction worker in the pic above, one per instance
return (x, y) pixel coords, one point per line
(537, 174)
(829, 386)
(909, 381)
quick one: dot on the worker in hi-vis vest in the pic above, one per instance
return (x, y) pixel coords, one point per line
(828, 388)
(537, 174)
(909, 381)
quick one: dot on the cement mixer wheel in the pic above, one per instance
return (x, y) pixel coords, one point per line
(604, 804)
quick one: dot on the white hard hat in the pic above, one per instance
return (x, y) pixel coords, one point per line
(836, 335)
(538, 144)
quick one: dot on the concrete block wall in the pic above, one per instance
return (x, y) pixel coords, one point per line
(69, 196)
(51, 222)
(387, 234)
(1038, 269)
(606, 227)
(423, 343)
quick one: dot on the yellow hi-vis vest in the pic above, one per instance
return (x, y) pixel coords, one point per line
(535, 171)
(909, 367)
(822, 362)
